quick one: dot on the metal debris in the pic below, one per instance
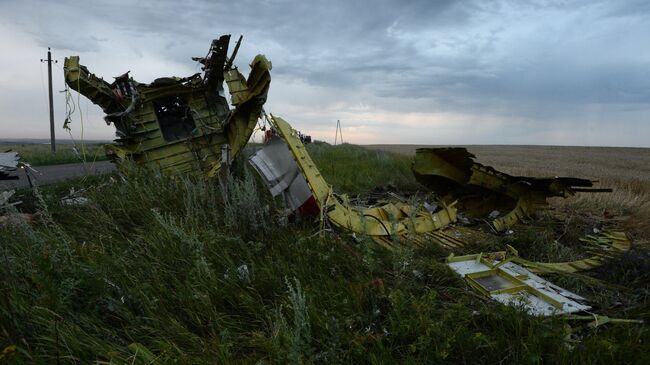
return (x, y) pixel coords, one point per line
(508, 283)
(184, 125)
(454, 175)
(9, 163)
(4, 199)
(74, 198)
(386, 223)
(177, 124)
(281, 173)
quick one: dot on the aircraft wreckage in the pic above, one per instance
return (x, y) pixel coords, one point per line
(179, 125)
(185, 125)
(9, 163)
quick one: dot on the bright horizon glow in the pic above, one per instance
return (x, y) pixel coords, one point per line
(571, 73)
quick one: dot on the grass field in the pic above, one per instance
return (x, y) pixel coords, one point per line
(41, 155)
(157, 270)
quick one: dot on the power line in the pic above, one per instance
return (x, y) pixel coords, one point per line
(339, 131)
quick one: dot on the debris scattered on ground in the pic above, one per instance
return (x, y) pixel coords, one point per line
(509, 281)
(74, 198)
(506, 282)
(454, 175)
(185, 126)
(9, 162)
(4, 198)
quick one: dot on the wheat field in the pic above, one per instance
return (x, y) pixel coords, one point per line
(626, 170)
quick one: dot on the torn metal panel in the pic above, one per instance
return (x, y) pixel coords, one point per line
(392, 220)
(179, 124)
(281, 174)
(509, 283)
(9, 162)
(480, 189)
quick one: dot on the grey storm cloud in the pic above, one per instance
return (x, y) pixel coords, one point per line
(538, 61)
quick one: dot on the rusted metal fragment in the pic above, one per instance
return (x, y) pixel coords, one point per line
(179, 125)
(480, 189)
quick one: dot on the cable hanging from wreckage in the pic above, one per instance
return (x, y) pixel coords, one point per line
(185, 126)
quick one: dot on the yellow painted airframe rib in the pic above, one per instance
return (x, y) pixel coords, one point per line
(609, 245)
(606, 245)
(527, 204)
(389, 220)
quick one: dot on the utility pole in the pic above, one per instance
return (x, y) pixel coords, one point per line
(49, 78)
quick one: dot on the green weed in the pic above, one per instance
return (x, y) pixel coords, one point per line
(41, 155)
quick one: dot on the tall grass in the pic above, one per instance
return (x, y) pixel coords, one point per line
(158, 269)
(41, 155)
(354, 169)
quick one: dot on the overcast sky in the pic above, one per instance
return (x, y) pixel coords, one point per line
(425, 72)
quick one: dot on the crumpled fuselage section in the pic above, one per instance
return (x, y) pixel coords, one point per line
(179, 125)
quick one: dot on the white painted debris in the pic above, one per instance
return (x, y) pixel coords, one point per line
(510, 283)
(8, 160)
(5, 196)
(242, 273)
(8, 163)
(75, 201)
(281, 173)
(74, 198)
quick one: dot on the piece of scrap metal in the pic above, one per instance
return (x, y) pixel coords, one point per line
(4, 198)
(179, 125)
(597, 320)
(481, 190)
(508, 283)
(75, 198)
(9, 162)
(281, 173)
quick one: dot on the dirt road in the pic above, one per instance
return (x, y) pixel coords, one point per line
(55, 173)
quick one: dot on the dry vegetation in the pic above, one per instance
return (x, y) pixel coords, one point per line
(626, 170)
